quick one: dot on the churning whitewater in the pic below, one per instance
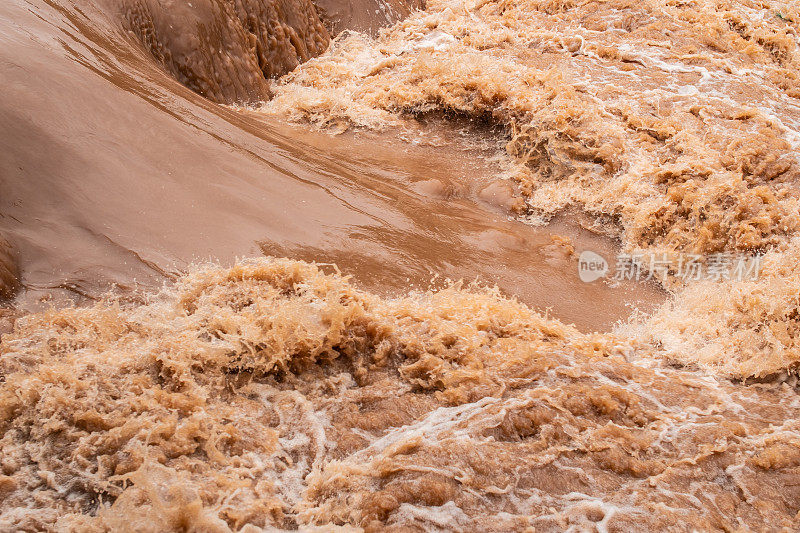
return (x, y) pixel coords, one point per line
(153, 380)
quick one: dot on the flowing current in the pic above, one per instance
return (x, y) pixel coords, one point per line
(232, 234)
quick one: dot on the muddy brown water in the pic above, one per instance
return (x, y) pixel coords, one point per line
(113, 174)
(274, 394)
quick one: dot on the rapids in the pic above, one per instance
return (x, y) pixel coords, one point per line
(313, 264)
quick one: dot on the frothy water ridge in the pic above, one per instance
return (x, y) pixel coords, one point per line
(152, 380)
(274, 395)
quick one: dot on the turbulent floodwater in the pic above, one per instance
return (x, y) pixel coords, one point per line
(153, 379)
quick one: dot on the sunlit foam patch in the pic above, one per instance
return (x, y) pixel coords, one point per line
(591, 266)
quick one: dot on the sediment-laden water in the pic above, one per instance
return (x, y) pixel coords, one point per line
(162, 369)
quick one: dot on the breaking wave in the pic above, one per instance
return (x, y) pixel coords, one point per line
(674, 124)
